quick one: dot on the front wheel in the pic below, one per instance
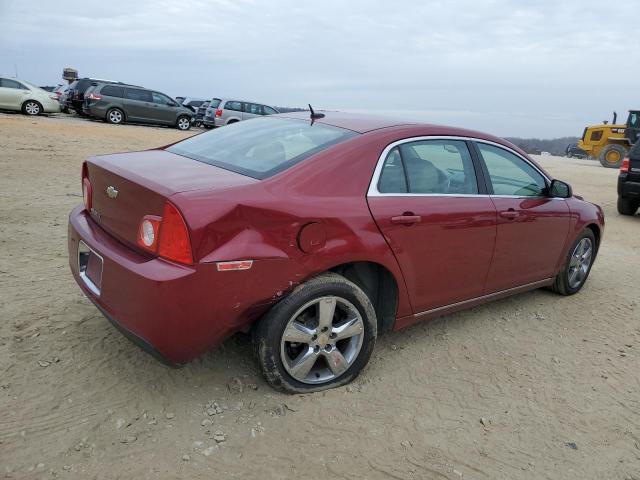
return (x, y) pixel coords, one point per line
(578, 264)
(321, 336)
(183, 123)
(626, 206)
(32, 108)
(612, 155)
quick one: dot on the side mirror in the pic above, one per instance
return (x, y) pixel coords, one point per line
(560, 189)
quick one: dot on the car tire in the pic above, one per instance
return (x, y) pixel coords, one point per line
(115, 116)
(578, 263)
(232, 121)
(300, 350)
(627, 206)
(183, 123)
(612, 155)
(32, 108)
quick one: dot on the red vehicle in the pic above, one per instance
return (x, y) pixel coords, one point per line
(317, 235)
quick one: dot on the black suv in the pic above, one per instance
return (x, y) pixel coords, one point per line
(77, 89)
(573, 151)
(117, 104)
(629, 182)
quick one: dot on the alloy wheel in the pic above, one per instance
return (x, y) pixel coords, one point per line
(115, 116)
(184, 123)
(322, 340)
(32, 108)
(580, 262)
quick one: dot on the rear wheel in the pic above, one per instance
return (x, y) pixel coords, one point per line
(627, 206)
(321, 336)
(612, 155)
(578, 264)
(183, 123)
(32, 108)
(115, 116)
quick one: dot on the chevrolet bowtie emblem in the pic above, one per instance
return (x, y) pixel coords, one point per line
(112, 192)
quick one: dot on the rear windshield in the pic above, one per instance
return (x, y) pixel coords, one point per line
(261, 147)
(635, 150)
(215, 102)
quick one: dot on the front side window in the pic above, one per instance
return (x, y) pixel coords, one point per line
(7, 83)
(139, 95)
(433, 167)
(161, 99)
(511, 175)
(262, 147)
(269, 110)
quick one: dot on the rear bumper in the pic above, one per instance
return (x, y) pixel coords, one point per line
(176, 312)
(628, 189)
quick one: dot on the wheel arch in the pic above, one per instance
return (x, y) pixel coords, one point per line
(596, 233)
(379, 284)
(32, 99)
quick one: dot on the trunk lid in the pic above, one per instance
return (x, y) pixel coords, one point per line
(128, 186)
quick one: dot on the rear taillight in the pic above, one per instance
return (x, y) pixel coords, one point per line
(624, 168)
(174, 237)
(94, 96)
(219, 112)
(167, 236)
(87, 192)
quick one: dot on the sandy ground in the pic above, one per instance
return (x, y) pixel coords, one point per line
(535, 386)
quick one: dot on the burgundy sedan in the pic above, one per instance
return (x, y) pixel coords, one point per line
(317, 235)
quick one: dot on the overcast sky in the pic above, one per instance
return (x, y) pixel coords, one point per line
(513, 68)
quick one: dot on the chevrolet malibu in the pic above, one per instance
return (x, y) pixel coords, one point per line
(318, 234)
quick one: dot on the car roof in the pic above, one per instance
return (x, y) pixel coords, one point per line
(363, 123)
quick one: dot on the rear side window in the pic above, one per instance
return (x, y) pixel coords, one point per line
(214, 103)
(253, 108)
(140, 95)
(262, 147)
(112, 91)
(233, 105)
(432, 167)
(511, 175)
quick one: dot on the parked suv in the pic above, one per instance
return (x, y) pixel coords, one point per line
(573, 151)
(629, 182)
(200, 111)
(208, 121)
(77, 90)
(123, 103)
(231, 111)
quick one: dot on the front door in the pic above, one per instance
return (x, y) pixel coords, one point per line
(427, 202)
(138, 105)
(12, 94)
(532, 227)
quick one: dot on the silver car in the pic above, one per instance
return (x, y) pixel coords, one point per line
(231, 111)
(22, 96)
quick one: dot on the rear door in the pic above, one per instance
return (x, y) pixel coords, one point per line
(436, 217)
(138, 104)
(531, 227)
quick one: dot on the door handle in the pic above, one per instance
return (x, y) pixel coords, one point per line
(510, 214)
(407, 219)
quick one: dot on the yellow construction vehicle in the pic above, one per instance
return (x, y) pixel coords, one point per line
(609, 143)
